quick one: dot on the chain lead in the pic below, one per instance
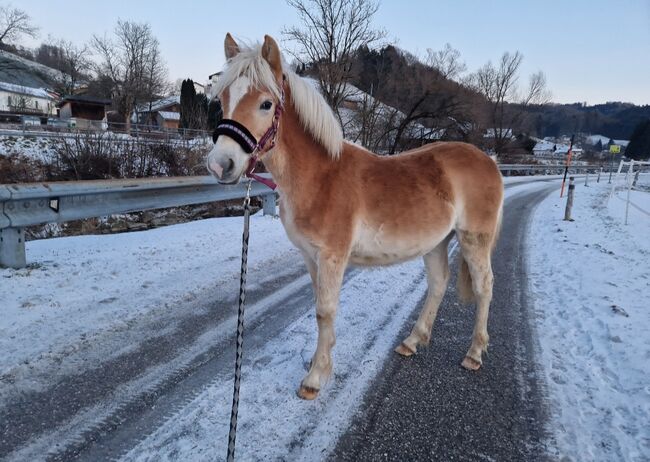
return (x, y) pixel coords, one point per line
(240, 327)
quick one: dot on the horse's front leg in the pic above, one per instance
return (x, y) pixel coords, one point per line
(330, 277)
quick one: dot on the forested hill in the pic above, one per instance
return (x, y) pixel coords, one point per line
(401, 80)
(614, 119)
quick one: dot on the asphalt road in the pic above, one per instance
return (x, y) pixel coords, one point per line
(427, 407)
(422, 408)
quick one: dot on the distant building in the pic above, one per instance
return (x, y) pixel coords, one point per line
(149, 113)
(212, 81)
(505, 133)
(83, 111)
(168, 119)
(18, 99)
(544, 149)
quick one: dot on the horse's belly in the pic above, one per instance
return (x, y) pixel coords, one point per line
(374, 247)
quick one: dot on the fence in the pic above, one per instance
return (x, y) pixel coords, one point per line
(51, 127)
(631, 178)
(30, 204)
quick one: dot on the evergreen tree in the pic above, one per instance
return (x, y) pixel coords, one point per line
(215, 113)
(188, 104)
(639, 147)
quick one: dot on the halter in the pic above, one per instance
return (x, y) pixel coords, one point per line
(249, 143)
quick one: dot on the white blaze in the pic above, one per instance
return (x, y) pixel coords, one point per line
(237, 91)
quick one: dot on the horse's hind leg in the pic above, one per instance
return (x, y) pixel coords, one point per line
(437, 264)
(477, 249)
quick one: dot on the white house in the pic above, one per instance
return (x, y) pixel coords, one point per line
(544, 148)
(26, 100)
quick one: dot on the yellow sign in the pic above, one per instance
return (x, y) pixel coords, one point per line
(614, 148)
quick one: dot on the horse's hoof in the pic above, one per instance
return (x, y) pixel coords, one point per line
(471, 364)
(307, 393)
(404, 350)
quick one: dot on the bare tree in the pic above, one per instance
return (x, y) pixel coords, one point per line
(499, 86)
(15, 23)
(446, 61)
(72, 60)
(330, 33)
(132, 62)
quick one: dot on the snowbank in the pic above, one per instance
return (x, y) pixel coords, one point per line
(590, 281)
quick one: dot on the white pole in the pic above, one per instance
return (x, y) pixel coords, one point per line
(629, 188)
(620, 166)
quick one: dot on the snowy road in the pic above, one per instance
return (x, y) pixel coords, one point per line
(143, 372)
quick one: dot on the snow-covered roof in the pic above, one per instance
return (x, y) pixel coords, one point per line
(623, 143)
(28, 91)
(544, 146)
(159, 104)
(170, 115)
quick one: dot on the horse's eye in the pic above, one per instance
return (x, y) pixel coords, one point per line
(266, 105)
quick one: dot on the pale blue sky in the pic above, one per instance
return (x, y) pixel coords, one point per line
(593, 51)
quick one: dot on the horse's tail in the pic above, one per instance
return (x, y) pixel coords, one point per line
(464, 283)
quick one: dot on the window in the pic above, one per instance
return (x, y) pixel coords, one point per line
(36, 104)
(8, 100)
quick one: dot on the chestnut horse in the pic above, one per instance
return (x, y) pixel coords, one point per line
(341, 204)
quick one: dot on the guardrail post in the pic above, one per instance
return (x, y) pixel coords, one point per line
(268, 204)
(599, 172)
(12, 248)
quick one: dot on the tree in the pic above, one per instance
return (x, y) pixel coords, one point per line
(499, 86)
(194, 107)
(14, 24)
(330, 33)
(639, 147)
(132, 63)
(72, 60)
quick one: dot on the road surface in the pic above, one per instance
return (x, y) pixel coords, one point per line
(418, 408)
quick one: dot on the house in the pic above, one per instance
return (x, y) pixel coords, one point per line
(168, 120)
(506, 133)
(83, 111)
(19, 99)
(212, 81)
(544, 149)
(148, 113)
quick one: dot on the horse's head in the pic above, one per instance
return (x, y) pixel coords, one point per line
(251, 94)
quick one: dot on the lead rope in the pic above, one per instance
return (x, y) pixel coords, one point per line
(240, 327)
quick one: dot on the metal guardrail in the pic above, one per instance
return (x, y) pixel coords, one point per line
(30, 204)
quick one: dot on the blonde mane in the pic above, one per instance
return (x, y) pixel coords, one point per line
(313, 111)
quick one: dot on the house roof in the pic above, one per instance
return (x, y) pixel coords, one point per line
(27, 91)
(170, 115)
(544, 146)
(159, 104)
(85, 99)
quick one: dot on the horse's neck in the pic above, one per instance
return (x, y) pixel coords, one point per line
(297, 161)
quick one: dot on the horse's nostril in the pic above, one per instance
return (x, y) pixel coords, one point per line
(231, 165)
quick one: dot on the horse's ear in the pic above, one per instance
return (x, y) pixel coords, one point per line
(230, 46)
(271, 53)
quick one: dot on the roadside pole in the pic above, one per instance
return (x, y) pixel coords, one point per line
(587, 177)
(599, 172)
(569, 201)
(568, 163)
(613, 149)
(629, 188)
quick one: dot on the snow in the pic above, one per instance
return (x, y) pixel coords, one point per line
(79, 289)
(590, 280)
(22, 90)
(170, 115)
(81, 292)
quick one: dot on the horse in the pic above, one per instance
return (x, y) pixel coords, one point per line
(342, 205)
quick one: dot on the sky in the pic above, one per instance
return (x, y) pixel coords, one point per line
(591, 51)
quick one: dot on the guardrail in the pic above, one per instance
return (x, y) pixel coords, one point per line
(30, 204)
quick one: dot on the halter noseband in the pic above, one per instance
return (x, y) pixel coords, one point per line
(248, 142)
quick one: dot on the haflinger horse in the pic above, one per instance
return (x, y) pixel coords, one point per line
(341, 204)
